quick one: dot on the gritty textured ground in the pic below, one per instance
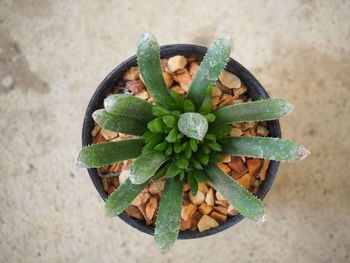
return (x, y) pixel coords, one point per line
(53, 54)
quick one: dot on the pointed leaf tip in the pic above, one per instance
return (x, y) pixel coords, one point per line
(118, 123)
(148, 60)
(244, 201)
(147, 36)
(209, 70)
(169, 214)
(97, 155)
(129, 106)
(265, 147)
(261, 110)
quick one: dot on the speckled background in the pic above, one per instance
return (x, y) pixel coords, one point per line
(53, 54)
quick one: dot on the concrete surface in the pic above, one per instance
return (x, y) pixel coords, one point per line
(53, 54)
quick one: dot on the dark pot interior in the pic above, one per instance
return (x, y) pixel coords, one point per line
(255, 91)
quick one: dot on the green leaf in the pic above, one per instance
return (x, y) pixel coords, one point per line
(203, 158)
(148, 60)
(177, 147)
(185, 146)
(172, 171)
(266, 148)
(156, 125)
(182, 162)
(101, 154)
(210, 69)
(119, 123)
(169, 150)
(156, 138)
(205, 149)
(214, 146)
(193, 184)
(176, 113)
(193, 145)
(169, 214)
(200, 176)
(171, 137)
(179, 136)
(215, 157)
(245, 202)
(182, 175)
(120, 199)
(170, 121)
(161, 146)
(189, 106)
(176, 99)
(160, 111)
(196, 164)
(129, 106)
(145, 166)
(252, 111)
(188, 153)
(206, 106)
(210, 117)
(193, 125)
(148, 135)
(221, 131)
(210, 137)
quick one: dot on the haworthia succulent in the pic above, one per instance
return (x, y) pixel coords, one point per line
(245, 202)
(193, 125)
(210, 69)
(119, 123)
(265, 147)
(120, 199)
(101, 154)
(148, 60)
(145, 166)
(129, 106)
(252, 111)
(169, 214)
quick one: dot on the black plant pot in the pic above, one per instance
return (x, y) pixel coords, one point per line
(255, 91)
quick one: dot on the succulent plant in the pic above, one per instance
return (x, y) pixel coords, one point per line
(181, 139)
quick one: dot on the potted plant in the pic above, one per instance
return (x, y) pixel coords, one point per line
(181, 140)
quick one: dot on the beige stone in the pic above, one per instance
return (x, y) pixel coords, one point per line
(193, 68)
(108, 135)
(134, 212)
(236, 132)
(216, 92)
(132, 74)
(151, 208)
(178, 89)
(262, 131)
(141, 199)
(203, 188)
(177, 62)
(156, 187)
(229, 80)
(168, 79)
(144, 95)
(206, 222)
(123, 176)
(187, 211)
(198, 198)
(209, 198)
(205, 209)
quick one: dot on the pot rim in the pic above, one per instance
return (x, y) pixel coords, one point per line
(255, 91)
